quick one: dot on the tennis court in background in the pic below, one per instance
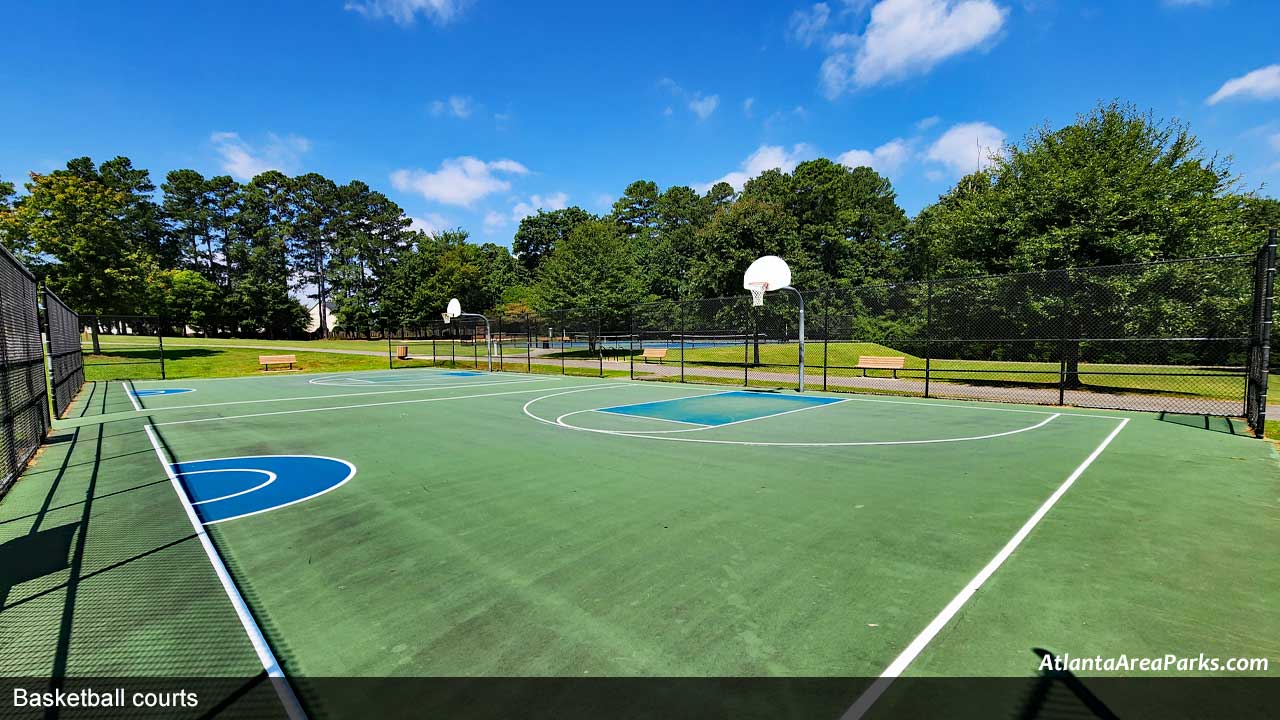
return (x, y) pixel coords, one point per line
(452, 523)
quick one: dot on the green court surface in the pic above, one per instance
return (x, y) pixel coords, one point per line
(518, 525)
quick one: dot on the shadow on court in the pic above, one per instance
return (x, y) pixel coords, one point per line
(102, 576)
(1212, 423)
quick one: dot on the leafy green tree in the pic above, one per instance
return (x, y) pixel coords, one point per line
(316, 224)
(592, 268)
(1261, 215)
(538, 234)
(737, 235)
(637, 210)
(13, 235)
(187, 212)
(76, 220)
(1114, 187)
(142, 219)
(185, 298)
(718, 196)
(258, 264)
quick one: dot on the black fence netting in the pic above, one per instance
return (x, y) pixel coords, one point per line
(23, 395)
(1181, 337)
(128, 347)
(66, 361)
(1260, 342)
(1171, 336)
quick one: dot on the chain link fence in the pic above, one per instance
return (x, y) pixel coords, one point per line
(24, 400)
(1181, 337)
(1168, 336)
(123, 347)
(66, 361)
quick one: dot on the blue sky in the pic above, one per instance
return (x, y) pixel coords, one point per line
(473, 113)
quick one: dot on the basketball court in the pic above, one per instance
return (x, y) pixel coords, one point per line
(457, 523)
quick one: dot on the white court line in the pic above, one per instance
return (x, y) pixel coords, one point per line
(664, 434)
(132, 398)
(975, 406)
(643, 417)
(398, 391)
(896, 668)
(361, 405)
(268, 659)
(271, 477)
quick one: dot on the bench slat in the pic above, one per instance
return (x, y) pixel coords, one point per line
(885, 363)
(276, 359)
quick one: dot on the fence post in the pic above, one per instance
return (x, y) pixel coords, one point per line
(680, 309)
(391, 355)
(631, 341)
(563, 336)
(1268, 294)
(826, 338)
(528, 345)
(928, 333)
(746, 356)
(1062, 348)
(160, 338)
(599, 342)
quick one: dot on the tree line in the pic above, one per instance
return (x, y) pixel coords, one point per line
(231, 258)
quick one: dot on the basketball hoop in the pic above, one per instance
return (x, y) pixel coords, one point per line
(758, 289)
(446, 317)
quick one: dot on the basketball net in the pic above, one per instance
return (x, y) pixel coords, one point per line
(445, 315)
(758, 289)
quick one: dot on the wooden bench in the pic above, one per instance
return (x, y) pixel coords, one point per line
(659, 354)
(266, 361)
(872, 362)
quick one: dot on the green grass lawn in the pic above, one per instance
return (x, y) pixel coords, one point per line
(218, 362)
(379, 346)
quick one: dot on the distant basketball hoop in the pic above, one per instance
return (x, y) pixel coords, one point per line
(771, 273)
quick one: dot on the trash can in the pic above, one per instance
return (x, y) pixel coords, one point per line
(402, 352)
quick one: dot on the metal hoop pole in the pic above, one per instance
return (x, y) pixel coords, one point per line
(488, 353)
(800, 298)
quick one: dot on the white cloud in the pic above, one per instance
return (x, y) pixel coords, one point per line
(701, 105)
(243, 161)
(766, 157)
(432, 224)
(404, 12)
(934, 175)
(457, 106)
(554, 201)
(604, 200)
(966, 147)
(926, 123)
(887, 159)
(704, 106)
(907, 37)
(1261, 84)
(807, 26)
(459, 181)
(494, 220)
